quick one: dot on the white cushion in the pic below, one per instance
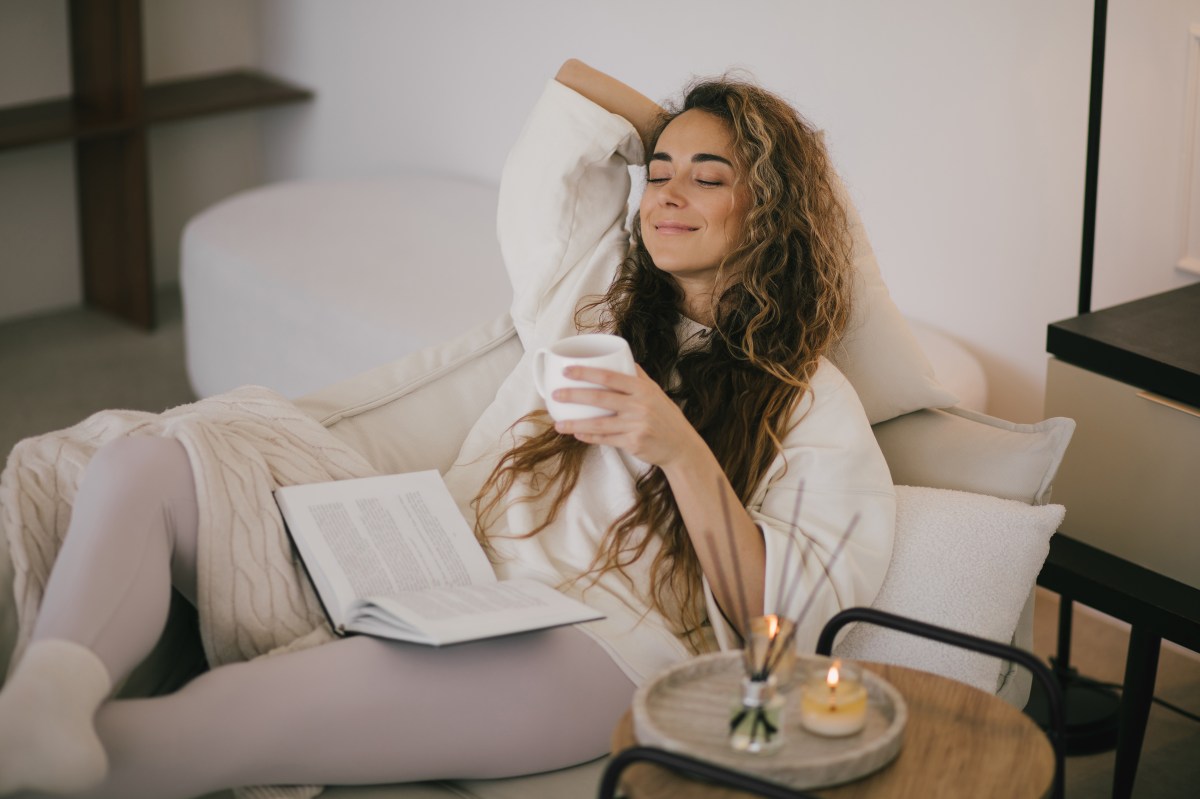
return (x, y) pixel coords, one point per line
(414, 413)
(297, 285)
(961, 560)
(954, 366)
(879, 354)
(970, 451)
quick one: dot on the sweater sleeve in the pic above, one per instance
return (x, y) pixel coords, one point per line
(564, 196)
(829, 472)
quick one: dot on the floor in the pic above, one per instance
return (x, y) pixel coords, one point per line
(60, 367)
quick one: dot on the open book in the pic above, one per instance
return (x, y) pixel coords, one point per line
(393, 557)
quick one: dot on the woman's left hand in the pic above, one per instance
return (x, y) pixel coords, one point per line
(646, 423)
(652, 428)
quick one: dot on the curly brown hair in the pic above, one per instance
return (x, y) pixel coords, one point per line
(783, 301)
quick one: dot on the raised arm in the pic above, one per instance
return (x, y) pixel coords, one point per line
(564, 195)
(688, 463)
(612, 95)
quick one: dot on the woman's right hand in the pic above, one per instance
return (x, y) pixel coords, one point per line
(612, 95)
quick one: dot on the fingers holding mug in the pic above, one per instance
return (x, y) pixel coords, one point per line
(591, 350)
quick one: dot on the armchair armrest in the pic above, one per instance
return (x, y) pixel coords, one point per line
(415, 412)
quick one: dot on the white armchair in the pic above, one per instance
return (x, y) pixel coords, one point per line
(413, 413)
(283, 277)
(969, 505)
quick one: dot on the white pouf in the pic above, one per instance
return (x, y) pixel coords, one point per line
(298, 285)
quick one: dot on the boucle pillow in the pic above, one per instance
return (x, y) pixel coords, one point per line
(879, 353)
(963, 561)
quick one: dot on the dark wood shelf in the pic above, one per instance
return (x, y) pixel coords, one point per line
(50, 121)
(106, 118)
(67, 120)
(218, 93)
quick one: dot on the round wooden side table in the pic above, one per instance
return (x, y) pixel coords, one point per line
(959, 742)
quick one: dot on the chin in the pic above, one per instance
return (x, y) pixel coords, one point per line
(671, 263)
(676, 268)
(672, 269)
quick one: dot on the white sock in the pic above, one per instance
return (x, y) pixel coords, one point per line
(48, 738)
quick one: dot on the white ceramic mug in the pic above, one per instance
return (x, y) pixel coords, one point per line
(601, 350)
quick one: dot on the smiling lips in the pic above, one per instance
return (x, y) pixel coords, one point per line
(673, 228)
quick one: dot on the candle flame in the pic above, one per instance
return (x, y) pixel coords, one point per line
(832, 677)
(772, 625)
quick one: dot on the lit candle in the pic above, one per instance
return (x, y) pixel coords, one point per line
(767, 635)
(833, 702)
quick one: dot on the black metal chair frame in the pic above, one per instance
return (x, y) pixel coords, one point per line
(1055, 732)
(694, 768)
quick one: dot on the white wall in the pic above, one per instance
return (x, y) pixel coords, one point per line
(959, 125)
(1144, 142)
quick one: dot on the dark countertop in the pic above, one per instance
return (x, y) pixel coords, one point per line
(1152, 343)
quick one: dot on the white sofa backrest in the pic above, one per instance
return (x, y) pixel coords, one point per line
(436, 394)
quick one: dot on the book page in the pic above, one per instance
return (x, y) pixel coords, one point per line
(451, 615)
(383, 535)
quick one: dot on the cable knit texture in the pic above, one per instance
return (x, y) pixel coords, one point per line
(253, 597)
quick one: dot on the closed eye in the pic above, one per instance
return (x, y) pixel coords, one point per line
(705, 183)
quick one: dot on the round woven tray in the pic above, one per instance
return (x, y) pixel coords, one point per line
(687, 708)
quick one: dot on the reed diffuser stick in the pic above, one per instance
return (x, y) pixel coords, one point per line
(798, 578)
(812, 594)
(787, 558)
(737, 566)
(723, 587)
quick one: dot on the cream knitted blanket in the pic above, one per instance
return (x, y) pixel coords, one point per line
(253, 597)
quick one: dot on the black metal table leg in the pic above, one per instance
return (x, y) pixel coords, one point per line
(1066, 620)
(1141, 670)
(1092, 710)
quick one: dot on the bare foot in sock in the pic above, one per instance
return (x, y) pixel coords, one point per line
(48, 737)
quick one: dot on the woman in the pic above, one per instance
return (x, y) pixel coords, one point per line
(735, 285)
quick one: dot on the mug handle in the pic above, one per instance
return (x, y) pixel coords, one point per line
(539, 372)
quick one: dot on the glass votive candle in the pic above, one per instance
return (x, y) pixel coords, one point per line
(833, 699)
(770, 648)
(756, 723)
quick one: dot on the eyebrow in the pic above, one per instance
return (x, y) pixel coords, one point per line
(698, 158)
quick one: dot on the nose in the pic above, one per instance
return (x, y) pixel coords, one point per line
(669, 193)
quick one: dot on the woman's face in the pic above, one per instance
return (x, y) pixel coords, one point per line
(695, 203)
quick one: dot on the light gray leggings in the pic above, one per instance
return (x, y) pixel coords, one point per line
(357, 710)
